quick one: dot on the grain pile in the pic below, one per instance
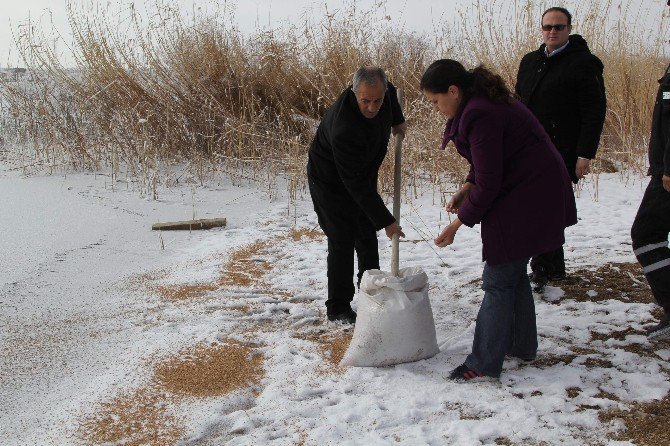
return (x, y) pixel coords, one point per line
(298, 234)
(145, 416)
(207, 371)
(333, 348)
(134, 419)
(246, 266)
(184, 292)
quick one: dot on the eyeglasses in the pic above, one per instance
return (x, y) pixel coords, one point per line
(556, 27)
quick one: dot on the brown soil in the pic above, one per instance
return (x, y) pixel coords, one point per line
(646, 423)
(621, 281)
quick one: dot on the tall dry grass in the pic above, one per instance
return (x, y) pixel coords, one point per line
(161, 98)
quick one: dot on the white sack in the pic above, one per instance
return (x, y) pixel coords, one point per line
(395, 322)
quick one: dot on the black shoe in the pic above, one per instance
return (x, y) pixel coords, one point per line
(539, 280)
(660, 330)
(510, 355)
(347, 317)
(463, 373)
(539, 284)
(556, 277)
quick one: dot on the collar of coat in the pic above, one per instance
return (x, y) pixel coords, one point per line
(576, 44)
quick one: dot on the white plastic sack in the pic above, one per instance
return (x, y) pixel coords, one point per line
(394, 323)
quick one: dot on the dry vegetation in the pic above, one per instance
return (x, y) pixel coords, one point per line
(168, 98)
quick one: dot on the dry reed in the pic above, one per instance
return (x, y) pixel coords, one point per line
(149, 94)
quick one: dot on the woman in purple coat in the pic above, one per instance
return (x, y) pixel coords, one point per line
(520, 192)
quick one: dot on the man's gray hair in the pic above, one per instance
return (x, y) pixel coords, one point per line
(369, 75)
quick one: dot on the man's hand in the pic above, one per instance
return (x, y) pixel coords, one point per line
(393, 228)
(666, 183)
(448, 234)
(400, 128)
(582, 168)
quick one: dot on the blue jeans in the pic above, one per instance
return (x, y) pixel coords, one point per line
(506, 319)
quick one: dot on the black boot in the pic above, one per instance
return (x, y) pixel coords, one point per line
(347, 316)
(660, 330)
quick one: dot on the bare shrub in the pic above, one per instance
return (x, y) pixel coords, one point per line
(165, 90)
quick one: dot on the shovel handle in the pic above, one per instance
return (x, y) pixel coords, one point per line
(395, 241)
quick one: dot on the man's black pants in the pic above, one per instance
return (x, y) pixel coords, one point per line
(349, 231)
(550, 264)
(650, 240)
(341, 267)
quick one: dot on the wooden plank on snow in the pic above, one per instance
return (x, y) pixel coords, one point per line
(190, 225)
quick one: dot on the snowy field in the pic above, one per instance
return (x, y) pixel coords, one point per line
(93, 305)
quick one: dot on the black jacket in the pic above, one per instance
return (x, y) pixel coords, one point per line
(659, 143)
(567, 94)
(344, 160)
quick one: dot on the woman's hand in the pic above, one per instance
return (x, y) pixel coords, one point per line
(447, 235)
(456, 200)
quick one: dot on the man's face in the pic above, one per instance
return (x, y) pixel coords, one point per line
(554, 37)
(370, 98)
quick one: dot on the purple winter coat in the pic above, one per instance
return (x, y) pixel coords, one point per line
(523, 195)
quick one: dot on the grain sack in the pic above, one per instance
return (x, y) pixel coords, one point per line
(394, 323)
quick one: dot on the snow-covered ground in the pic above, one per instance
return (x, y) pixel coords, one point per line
(85, 317)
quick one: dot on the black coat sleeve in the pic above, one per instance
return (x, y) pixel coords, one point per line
(396, 109)
(664, 122)
(592, 105)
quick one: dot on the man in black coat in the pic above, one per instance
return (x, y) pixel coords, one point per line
(344, 159)
(562, 84)
(652, 223)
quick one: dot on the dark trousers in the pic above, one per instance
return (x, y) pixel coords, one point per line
(506, 318)
(341, 267)
(650, 240)
(550, 264)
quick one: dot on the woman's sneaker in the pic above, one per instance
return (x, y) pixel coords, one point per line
(660, 330)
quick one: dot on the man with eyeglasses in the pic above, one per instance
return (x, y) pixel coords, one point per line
(562, 84)
(652, 223)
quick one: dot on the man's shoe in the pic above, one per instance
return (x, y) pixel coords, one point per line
(556, 277)
(660, 330)
(463, 373)
(347, 317)
(539, 284)
(510, 355)
(539, 280)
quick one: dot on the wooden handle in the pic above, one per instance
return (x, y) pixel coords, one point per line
(395, 241)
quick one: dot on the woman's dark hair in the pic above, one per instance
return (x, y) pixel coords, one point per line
(443, 73)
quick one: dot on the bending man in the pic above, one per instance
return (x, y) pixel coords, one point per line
(344, 159)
